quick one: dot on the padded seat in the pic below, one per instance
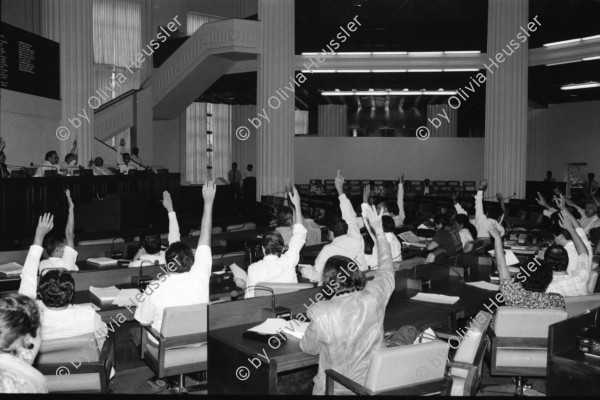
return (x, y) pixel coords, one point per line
(178, 356)
(521, 357)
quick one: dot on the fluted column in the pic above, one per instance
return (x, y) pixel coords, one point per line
(442, 120)
(537, 150)
(333, 120)
(506, 97)
(70, 23)
(275, 151)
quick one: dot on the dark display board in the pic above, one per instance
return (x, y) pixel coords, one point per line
(29, 63)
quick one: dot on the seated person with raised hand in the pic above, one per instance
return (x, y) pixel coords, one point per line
(484, 220)
(127, 165)
(285, 221)
(60, 318)
(563, 238)
(347, 240)
(150, 243)
(62, 253)
(70, 163)
(446, 237)
(188, 280)
(567, 283)
(388, 228)
(346, 329)
(589, 216)
(276, 267)
(20, 340)
(530, 291)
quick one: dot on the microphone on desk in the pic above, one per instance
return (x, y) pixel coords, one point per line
(114, 254)
(273, 312)
(141, 281)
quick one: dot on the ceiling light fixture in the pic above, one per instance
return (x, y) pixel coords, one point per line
(390, 92)
(562, 42)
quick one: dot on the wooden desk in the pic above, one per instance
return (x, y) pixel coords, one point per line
(108, 312)
(288, 370)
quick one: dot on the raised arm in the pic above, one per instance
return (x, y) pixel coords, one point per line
(382, 286)
(74, 148)
(70, 227)
(174, 235)
(208, 193)
(457, 206)
(29, 274)
(299, 231)
(348, 213)
(503, 271)
(400, 199)
(479, 212)
(294, 198)
(568, 222)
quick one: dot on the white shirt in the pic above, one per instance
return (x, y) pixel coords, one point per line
(313, 234)
(572, 284)
(249, 174)
(46, 166)
(278, 269)
(101, 170)
(586, 222)
(350, 245)
(67, 261)
(125, 168)
(465, 236)
(176, 289)
(174, 236)
(72, 321)
(482, 223)
(395, 245)
(572, 251)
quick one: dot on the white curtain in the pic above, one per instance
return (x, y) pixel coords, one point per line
(118, 31)
(198, 142)
(196, 20)
(301, 122)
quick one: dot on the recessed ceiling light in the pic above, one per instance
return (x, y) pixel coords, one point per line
(563, 62)
(562, 42)
(591, 58)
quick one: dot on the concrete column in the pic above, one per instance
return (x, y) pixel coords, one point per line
(275, 144)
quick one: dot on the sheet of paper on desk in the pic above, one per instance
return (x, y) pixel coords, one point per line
(484, 285)
(126, 297)
(11, 269)
(238, 273)
(511, 259)
(102, 261)
(296, 328)
(435, 298)
(105, 293)
(270, 327)
(411, 239)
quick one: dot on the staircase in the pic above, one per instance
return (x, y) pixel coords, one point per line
(211, 52)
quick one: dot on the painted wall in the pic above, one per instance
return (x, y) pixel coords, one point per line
(167, 149)
(28, 125)
(384, 158)
(573, 136)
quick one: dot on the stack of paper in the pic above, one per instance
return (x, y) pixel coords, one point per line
(510, 257)
(484, 285)
(102, 261)
(11, 269)
(435, 298)
(273, 326)
(126, 297)
(412, 239)
(105, 293)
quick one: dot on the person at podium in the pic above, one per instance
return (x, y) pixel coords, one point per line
(50, 164)
(99, 168)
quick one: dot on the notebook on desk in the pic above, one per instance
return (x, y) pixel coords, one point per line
(11, 269)
(413, 240)
(102, 261)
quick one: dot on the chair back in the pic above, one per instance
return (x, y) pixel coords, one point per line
(525, 322)
(396, 367)
(591, 286)
(64, 350)
(577, 305)
(473, 339)
(280, 288)
(184, 320)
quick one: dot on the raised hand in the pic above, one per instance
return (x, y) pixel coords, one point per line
(366, 193)
(561, 202)
(483, 184)
(565, 222)
(208, 192)
(401, 178)
(45, 225)
(374, 219)
(295, 197)
(541, 201)
(455, 196)
(339, 183)
(500, 197)
(494, 232)
(69, 200)
(167, 202)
